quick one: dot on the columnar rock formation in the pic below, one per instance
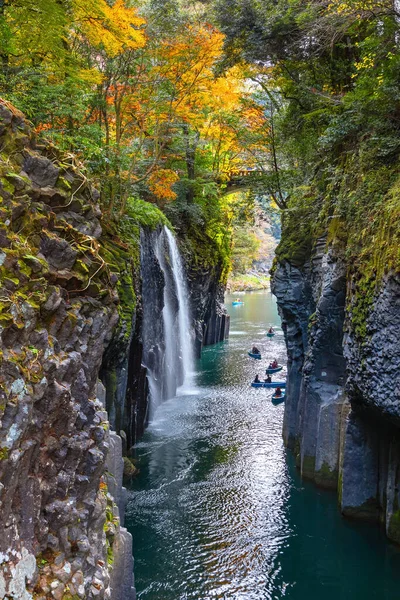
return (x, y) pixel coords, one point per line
(61, 533)
(211, 317)
(342, 413)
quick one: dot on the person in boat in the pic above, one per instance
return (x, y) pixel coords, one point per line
(257, 379)
(270, 330)
(255, 350)
(268, 379)
(278, 392)
(274, 364)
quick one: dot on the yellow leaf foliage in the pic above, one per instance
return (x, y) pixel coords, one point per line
(115, 27)
(91, 76)
(358, 7)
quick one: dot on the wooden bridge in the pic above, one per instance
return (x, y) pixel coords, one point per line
(261, 181)
(243, 179)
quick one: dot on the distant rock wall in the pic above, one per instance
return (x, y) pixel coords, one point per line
(207, 300)
(343, 394)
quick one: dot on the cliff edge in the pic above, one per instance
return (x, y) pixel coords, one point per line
(342, 331)
(61, 466)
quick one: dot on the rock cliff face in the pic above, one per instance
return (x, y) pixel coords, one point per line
(209, 312)
(132, 362)
(343, 395)
(60, 467)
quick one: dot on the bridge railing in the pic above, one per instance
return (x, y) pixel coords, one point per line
(244, 173)
(234, 176)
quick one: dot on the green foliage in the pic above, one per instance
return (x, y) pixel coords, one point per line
(334, 77)
(299, 223)
(248, 282)
(272, 212)
(121, 249)
(133, 112)
(206, 222)
(145, 214)
(245, 247)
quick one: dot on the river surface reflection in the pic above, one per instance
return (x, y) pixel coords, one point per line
(219, 510)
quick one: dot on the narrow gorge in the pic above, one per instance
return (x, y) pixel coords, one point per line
(199, 300)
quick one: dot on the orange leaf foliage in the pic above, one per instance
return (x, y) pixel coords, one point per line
(160, 183)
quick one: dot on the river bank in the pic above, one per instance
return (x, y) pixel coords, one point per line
(248, 282)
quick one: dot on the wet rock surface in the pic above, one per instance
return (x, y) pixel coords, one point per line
(209, 312)
(343, 396)
(61, 534)
(75, 304)
(375, 362)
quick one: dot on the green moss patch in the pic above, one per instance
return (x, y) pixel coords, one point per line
(326, 477)
(358, 209)
(308, 467)
(120, 248)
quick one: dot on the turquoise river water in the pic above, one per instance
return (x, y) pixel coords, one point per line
(219, 509)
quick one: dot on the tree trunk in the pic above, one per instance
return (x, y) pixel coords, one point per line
(190, 151)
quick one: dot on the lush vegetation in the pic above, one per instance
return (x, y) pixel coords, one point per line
(140, 94)
(331, 70)
(248, 282)
(164, 100)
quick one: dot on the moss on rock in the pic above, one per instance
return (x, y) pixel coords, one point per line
(120, 248)
(130, 469)
(326, 477)
(308, 467)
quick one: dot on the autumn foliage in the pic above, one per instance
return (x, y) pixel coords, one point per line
(148, 107)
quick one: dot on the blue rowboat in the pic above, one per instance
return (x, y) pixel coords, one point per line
(270, 334)
(235, 303)
(257, 356)
(273, 384)
(272, 371)
(278, 399)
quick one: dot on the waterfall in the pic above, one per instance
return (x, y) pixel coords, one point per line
(185, 337)
(172, 376)
(167, 330)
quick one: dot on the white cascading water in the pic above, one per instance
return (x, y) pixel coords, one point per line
(184, 321)
(170, 338)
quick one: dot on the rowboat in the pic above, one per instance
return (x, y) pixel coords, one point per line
(273, 384)
(257, 356)
(278, 399)
(272, 371)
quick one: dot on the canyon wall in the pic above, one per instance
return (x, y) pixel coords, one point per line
(210, 315)
(60, 465)
(343, 394)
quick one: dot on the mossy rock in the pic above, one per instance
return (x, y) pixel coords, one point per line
(130, 470)
(393, 527)
(326, 477)
(308, 467)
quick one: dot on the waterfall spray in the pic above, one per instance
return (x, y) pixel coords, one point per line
(184, 321)
(171, 340)
(167, 331)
